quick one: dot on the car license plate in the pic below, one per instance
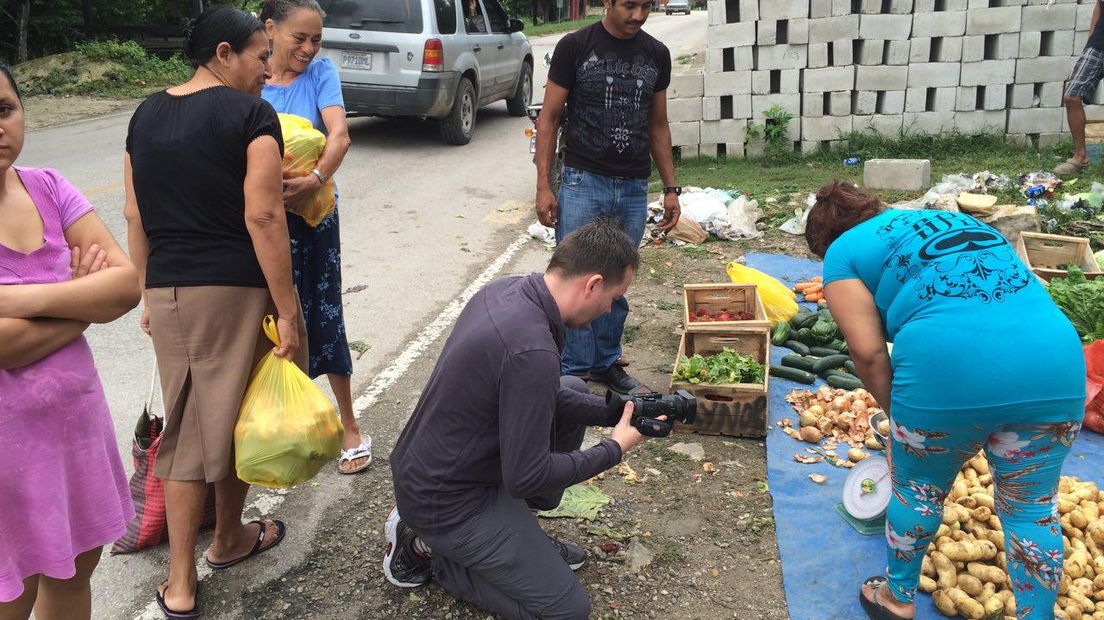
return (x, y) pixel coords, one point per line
(356, 60)
(533, 144)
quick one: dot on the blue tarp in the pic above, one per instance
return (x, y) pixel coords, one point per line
(823, 559)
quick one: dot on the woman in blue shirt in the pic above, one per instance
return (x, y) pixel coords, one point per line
(982, 360)
(310, 88)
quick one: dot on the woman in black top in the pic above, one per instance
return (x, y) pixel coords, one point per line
(208, 234)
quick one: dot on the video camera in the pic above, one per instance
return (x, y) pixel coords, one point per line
(647, 408)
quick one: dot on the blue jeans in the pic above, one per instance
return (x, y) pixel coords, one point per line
(584, 197)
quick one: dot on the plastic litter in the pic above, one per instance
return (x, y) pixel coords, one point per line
(717, 211)
(542, 233)
(796, 224)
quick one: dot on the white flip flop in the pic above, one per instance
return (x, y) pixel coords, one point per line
(352, 454)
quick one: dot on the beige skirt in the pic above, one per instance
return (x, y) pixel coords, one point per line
(207, 340)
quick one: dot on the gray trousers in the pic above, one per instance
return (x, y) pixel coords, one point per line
(501, 559)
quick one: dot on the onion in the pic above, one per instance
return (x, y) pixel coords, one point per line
(808, 418)
(817, 410)
(858, 407)
(811, 434)
(841, 403)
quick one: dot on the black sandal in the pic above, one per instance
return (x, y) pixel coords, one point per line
(258, 546)
(874, 609)
(172, 613)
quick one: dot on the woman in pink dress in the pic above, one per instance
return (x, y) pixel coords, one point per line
(63, 490)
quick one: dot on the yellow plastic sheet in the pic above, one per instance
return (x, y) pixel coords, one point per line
(287, 429)
(778, 300)
(303, 146)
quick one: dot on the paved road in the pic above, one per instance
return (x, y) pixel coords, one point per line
(424, 226)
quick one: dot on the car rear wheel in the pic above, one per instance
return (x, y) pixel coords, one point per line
(523, 96)
(458, 127)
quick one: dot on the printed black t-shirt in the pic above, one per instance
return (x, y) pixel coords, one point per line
(611, 83)
(188, 155)
(1096, 39)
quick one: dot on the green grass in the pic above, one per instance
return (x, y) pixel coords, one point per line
(108, 69)
(546, 28)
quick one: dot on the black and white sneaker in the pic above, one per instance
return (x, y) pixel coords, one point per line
(571, 553)
(402, 566)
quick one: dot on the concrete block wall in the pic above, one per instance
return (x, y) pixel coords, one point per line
(840, 66)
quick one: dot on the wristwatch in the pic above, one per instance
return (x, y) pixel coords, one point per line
(321, 177)
(674, 189)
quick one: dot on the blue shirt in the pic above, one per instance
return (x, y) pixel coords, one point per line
(970, 323)
(315, 89)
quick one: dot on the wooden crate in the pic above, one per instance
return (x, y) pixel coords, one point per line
(735, 409)
(731, 297)
(1044, 254)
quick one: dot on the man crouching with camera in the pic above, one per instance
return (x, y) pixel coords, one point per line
(496, 435)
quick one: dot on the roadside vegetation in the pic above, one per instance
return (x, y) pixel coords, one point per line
(106, 69)
(546, 28)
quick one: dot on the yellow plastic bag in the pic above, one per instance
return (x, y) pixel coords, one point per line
(287, 429)
(303, 146)
(778, 300)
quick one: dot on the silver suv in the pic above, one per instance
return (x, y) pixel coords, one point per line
(441, 59)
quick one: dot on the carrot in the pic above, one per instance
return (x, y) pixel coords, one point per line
(818, 279)
(801, 287)
(814, 296)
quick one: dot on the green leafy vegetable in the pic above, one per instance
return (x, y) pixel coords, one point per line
(728, 366)
(582, 501)
(1082, 301)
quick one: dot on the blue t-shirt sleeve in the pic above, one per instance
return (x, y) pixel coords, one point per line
(329, 84)
(839, 262)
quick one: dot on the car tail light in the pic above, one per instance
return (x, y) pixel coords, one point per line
(529, 133)
(433, 59)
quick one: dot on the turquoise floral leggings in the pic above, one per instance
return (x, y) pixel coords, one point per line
(1025, 445)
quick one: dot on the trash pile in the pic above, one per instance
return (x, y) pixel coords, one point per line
(708, 211)
(945, 194)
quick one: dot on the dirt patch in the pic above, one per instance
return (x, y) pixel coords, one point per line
(45, 110)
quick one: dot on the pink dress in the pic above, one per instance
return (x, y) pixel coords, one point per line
(63, 489)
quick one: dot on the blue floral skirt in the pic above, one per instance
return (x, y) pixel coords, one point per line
(316, 269)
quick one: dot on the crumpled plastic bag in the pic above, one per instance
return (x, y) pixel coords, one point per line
(303, 146)
(943, 196)
(287, 429)
(796, 224)
(717, 212)
(778, 300)
(1094, 387)
(543, 233)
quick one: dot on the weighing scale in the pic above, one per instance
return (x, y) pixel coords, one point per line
(867, 489)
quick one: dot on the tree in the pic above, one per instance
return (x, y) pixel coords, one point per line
(22, 20)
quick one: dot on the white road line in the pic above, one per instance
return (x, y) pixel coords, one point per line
(384, 380)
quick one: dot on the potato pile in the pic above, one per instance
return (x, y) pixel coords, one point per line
(965, 569)
(836, 415)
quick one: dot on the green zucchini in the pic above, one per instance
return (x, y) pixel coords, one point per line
(797, 347)
(781, 333)
(824, 314)
(822, 351)
(793, 360)
(850, 367)
(828, 363)
(793, 374)
(805, 336)
(837, 344)
(844, 382)
(803, 319)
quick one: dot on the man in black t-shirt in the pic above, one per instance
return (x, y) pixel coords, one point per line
(613, 78)
(1086, 76)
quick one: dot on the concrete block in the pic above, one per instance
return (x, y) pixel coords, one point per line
(760, 82)
(1036, 120)
(1080, 39)
(839, 103)
(1084, 15)
(1023, 96)
(820, 8)
(781, 57)
(716, 9)
(966, 100)
(1051, 95)
(920, 50)
(825, 127)
(741, 106)
(980, 122)
(1042, 69)
(883, 124)
(900, 7)
(727, 83)
(842, 53)
(871, 52)
(685, 134)
(880, 78)
(994, 20)
(831, 29)
(762, 103)
(688, 151)
(897, 53)
(892, 102)
(749, 10)
(743, 58)
(841, 7)
(864, 102)
(945, 99)
(995, 98)
(818, 55)
(1056, 17)
(808, 147)
(941, 24)
(714, 60)
(723, 132)
(929, 122)
(933, 74)
(1029, 44)
(767, 33)
(814, 104)
(686, 85)
(783, 9)
(916, 100)
(711, 108)
(901, 174)
(684, 110)
(735, 150)
(1094, 113)
(870, 7)
(988, 72)
(731, 35)
(830, 79)
(707, 150)
(887, 27)
(973, 48)
(949, 49)
(799, 31)
(1060, 44)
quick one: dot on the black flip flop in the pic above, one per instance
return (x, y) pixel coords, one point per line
(172, 613)
(258, 547)
(874, 609)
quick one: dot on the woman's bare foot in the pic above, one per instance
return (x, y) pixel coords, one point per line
(880, 594)
(242, 545)
(180, 597)
(353, 440)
